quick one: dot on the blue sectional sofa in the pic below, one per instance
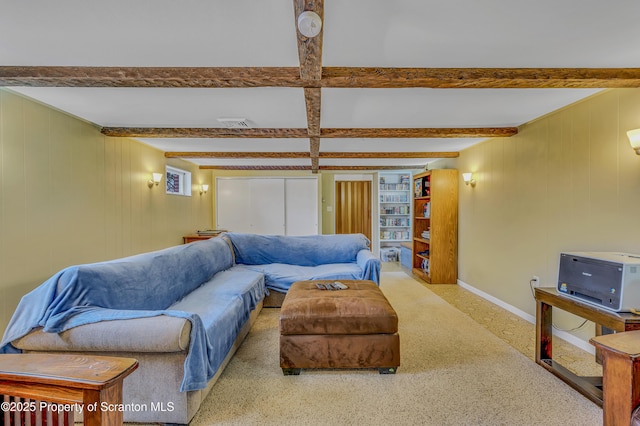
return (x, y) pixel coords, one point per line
(182, 311)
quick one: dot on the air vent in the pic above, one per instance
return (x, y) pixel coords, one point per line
(234, 123)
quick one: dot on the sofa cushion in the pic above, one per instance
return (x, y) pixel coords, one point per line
(310, 250)
(222, 305)
(280, 276)
(153, 334)
(236, 283)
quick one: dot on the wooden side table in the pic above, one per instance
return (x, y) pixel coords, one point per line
(620, 376)
(90, 381)
(546, 299)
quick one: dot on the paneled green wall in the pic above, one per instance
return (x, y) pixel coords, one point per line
(568, 181)
(70, 195)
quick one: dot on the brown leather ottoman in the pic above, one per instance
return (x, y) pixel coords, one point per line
(351, 328)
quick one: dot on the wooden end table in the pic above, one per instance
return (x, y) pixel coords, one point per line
(620, 375)
(89, 381)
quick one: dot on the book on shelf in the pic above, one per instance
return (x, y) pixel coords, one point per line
(394, 187)
(426, 210)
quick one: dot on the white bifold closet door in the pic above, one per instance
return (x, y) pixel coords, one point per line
(268, 206)
(301, 206)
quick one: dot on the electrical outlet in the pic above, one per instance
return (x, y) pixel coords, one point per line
(535, 281)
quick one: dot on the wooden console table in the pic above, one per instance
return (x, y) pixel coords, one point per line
(546, 299)
(89, 381)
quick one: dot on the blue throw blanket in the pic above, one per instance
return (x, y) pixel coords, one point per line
(287, 259)
(139, 286)
(310, 250)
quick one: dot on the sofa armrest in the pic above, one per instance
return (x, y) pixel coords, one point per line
(370, 265)
(151, 334)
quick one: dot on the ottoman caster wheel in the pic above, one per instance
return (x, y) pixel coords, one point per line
(389, 370)
(291, 371)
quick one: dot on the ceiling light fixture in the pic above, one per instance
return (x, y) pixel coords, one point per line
(309, 24)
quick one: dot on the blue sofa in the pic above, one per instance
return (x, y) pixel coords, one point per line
(182, 311)
(285, 260)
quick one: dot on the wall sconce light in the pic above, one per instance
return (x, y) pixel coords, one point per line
(309, 24)
(155, 180)
(203, 189)
(634, 139)
(468, 179)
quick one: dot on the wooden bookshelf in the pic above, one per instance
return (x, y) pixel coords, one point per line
(395, 212)
(435, 226)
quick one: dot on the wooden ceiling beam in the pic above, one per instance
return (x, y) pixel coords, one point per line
(314, 152)
(202, 132)
(339, 77)
(353, 168)
(312, 98)
(309, 48)
(427, 132)
(480, 78)
(388, 154)
(310, 56)
(417, 166)
(312, 131)
(254, 167)
(167, 77)
(236, 154)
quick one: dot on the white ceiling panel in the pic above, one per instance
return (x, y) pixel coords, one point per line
(256, 162)
(397, 145)
(228, 145)
(179, 107)
(186, 33)
(487, 33)
(415, 163)
(441, 107)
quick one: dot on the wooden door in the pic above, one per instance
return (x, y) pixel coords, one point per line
(353, 207)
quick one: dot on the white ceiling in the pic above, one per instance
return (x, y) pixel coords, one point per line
(356, 33)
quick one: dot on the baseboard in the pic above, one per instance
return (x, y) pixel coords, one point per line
(567, 337)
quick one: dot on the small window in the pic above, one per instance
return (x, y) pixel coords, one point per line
(178, 181)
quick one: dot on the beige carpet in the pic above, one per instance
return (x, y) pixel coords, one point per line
(453, 372)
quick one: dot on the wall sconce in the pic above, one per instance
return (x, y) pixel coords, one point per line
(155, 180)
(203, 189)
(634, 139)
(309, 24)
(468, 179)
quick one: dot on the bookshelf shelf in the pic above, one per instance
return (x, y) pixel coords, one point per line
(395, 196)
